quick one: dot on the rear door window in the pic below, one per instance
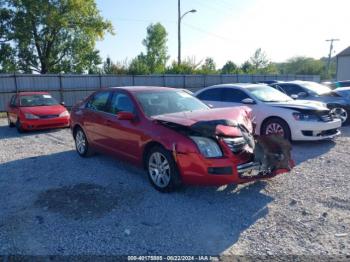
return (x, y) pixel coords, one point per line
(292, 89)
(99, 101)
(214, 94)
(233, 95)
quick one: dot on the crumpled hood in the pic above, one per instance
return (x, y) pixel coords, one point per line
(301, 105)
(235, 114)
(44, 110)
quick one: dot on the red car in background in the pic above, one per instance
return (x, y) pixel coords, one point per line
(36, 110)
(175, 136)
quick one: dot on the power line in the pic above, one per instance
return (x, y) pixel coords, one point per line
(174, 22)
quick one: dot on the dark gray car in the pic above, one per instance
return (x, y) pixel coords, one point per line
(307, 90)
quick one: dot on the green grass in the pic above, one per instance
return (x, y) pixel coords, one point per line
(2, 114)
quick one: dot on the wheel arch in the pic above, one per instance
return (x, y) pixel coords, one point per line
(147, 147)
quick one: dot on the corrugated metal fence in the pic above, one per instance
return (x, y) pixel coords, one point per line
(72, 88)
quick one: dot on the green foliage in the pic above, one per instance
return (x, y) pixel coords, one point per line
(156, 49)
(208, 67)
(307, 66)
(230, 68)
(259, 60)
(188, 66)
(139, 66)
(51, 36)
(118, 68)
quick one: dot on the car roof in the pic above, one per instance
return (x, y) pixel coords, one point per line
(136, 89)
(32, 93)
(237, 85)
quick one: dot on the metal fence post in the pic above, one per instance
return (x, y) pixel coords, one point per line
(16, 85)
(61, 88)
(100, 79)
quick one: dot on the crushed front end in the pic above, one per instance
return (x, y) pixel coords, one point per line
(244, 157)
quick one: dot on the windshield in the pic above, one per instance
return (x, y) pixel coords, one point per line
(38, 100)
(166, 102)
(316, 88)
(268, 94)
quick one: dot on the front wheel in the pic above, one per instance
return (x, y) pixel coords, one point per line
(276, 126)
(19, 126)
(340, 113)
(162, 170)
(82, 144)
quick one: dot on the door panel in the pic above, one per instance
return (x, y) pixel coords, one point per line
(124, 135)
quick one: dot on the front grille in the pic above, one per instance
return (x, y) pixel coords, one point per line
(236, 144)
(327, 118)
(48, 116)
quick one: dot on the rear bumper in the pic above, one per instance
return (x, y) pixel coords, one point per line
(315, 130)
(38, 124)
(195, 169)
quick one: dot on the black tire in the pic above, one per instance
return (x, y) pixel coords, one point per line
(170, 176)
(19, 127)
(279, 123)
(81, 143)
(9, 121)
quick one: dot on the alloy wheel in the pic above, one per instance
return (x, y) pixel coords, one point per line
(340, 113)
(80, 142)
(274, 129)
(159, 169)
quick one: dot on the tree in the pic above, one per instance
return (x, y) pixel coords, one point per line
(248, 68)
(139, 66)
(53, 36)
(259, 59)
(7, 53)
(118, 68)
(156, 49)
(209, 66)
(230, 68)
(188, 66)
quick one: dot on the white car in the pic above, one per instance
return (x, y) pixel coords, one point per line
(275, 112)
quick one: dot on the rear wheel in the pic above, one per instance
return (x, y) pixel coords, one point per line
(276, 126)
(162, 170)
(81, 143)
(9, 121)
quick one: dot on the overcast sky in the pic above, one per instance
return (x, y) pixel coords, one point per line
(229, 29)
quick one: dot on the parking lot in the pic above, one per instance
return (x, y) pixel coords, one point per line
(54, 202)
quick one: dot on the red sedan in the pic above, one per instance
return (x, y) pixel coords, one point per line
(36, 110)
(176, 137)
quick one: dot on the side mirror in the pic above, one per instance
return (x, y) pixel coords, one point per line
(63, 103)
(248, 101)
(125, 116)
(302, 94)
(294, 96)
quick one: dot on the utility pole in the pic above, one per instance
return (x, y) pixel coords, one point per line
(330, 53)
(178, 32)
(179, 19)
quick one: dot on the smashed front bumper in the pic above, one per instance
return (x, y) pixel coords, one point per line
(235, 167)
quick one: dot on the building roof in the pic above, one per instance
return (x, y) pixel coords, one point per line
(345, 52)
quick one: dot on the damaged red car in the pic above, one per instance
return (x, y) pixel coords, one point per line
(177, 138)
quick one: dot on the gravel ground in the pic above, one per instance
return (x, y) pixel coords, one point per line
(54, 202)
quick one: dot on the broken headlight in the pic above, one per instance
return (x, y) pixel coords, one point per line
(305, 117)
(208, 147)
